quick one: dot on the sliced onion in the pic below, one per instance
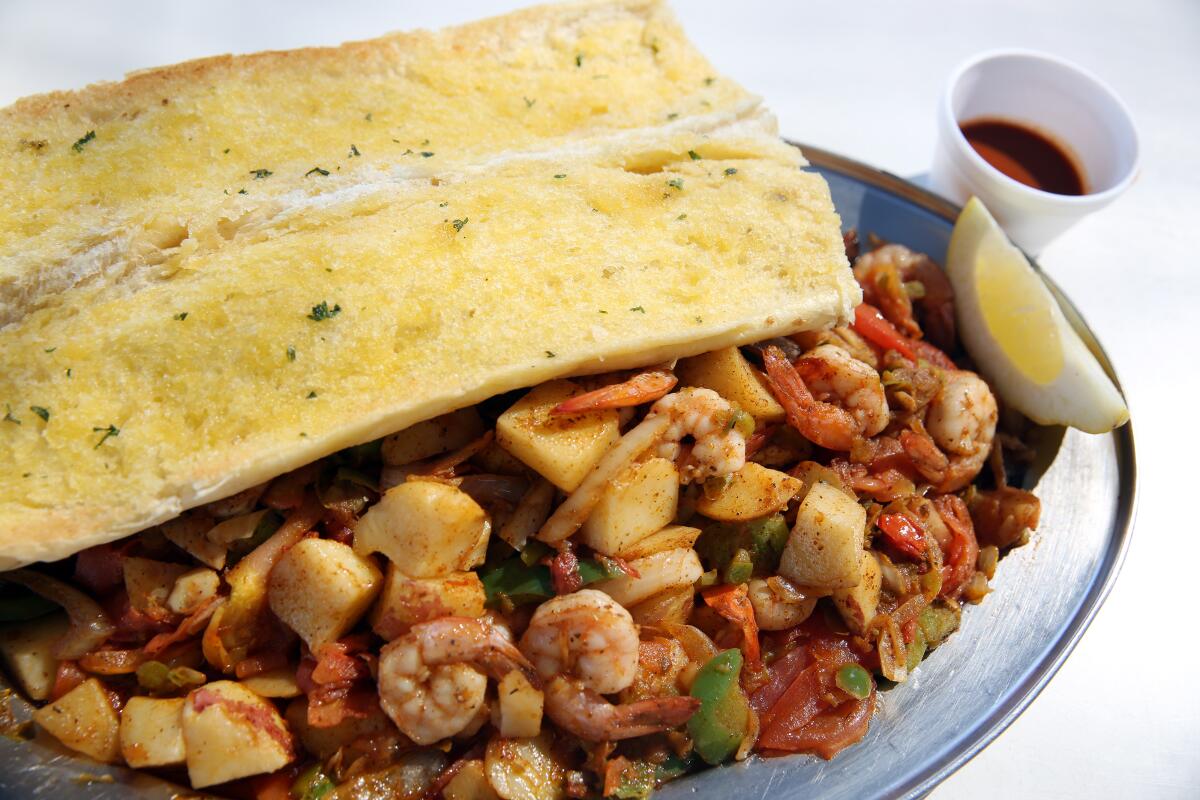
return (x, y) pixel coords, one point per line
(529, 515)
(90, 626)
(567, 518)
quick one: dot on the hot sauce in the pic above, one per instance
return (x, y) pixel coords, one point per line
(1025, 155)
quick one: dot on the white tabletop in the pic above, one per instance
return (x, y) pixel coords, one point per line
(1122, 718)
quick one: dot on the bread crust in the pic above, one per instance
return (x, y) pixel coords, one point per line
(587, 241)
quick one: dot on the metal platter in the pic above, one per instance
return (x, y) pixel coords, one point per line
(960, 698)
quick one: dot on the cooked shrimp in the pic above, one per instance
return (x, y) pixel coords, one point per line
(581, 711)
(586, 635)
(834, 376)
(586, 645)
(824, 424)
(886, 274)
(720, 446)
(643, 387)
(962, 421)
(432, 681)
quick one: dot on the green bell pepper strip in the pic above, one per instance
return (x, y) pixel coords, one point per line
(311, 784)
(854, 681)
(723, 719)
(528, 583)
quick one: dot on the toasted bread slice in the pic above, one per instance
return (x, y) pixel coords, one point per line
(346, 306)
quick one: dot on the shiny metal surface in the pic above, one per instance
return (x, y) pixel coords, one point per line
(960, 698)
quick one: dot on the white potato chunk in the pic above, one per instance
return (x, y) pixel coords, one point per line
(274, 683)
(825, 548)
(753, 492)
(190, 534)
(519, 706)
(406, 601)
(432, 437)
(425, 528)
(470, 783)
(637, 504)
(28, 652)
(192, 588)
(83, 719)
(671, 537)
(561, 448)
(152, 732)
(858, 604)
(729, 374)
(774, 612)
(229, 732)
(524, 769)
(656, 573)
(320, 588)
(149, 583)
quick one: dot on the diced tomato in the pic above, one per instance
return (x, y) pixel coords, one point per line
(870, 323)
(904, 533)
(68, 676)
(963, 552)
(832, 731)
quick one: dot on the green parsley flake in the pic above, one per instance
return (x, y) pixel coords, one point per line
(322, 311)
(311, 395)
(81, 143)
(681, 216)
(181, 316)
(353, 152)
(259, 174)
(44, 413)
(673, 115)
(638, 309)
(709, 81)
(693, 155)
(550, 354)
(579, 59)
(675, 183)
(225, 151)
(8, 415)
(316, 170)
(242, 191)
(529, 103)
(560, 176)
(731, 170)
(459, 223)
(110, 431)
(291, 353)
(369, 116)
(426, 154)
(49, 349)
(68, 372)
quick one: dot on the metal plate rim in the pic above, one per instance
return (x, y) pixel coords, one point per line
(1039, 674)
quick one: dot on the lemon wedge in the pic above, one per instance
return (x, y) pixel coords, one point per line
(1017, 335)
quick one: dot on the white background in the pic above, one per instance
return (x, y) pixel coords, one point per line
(1122, 718)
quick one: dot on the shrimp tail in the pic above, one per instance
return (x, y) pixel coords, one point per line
(586, 714)
(644, 387)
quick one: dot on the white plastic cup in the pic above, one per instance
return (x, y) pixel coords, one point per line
(1067, 104)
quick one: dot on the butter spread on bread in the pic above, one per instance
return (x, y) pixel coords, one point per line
(216, 272)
